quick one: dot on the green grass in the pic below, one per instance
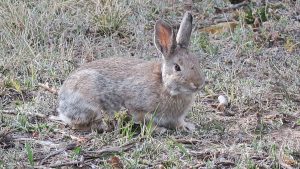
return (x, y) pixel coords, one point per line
(43, 42)
(29, 153)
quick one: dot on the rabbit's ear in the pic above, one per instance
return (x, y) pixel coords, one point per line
(185, 30)
(164, 38)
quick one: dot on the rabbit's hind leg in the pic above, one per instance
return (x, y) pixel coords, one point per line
(138, 117)
(78, 121)
(77, 112)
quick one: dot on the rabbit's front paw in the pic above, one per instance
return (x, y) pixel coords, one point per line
(159, 130)
(188, 126)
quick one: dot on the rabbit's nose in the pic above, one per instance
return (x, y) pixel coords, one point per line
(200, 82)
(195, 85)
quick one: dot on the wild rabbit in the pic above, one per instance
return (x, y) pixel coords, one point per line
(162, 90)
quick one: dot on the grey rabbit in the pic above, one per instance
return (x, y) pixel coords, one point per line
(159, 90)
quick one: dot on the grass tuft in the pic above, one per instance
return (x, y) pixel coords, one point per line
(29, 153)
(111, 15)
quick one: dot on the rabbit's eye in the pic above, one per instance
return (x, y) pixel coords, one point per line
(177, 68)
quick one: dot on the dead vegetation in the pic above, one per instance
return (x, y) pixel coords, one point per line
(249, 52)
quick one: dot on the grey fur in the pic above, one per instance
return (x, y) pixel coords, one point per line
(185, 30)
(145, 88)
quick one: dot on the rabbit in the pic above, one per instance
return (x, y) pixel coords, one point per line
(158, 90)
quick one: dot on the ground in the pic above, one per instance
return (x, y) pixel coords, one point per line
(253, 60)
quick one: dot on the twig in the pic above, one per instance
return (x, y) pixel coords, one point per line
(258, 158)
(41, 142)
(231, 8)
(110, 150)
(46, 87)
(200, 154)
(68, 147)
(36, 114)
(67, 163)
(56, 119)
(78, 139)
(199, 165)
(225, 163)
(188, 141)
(128, 146)
(15, 112)
(37, 167)
(8, 111)
(106, 150)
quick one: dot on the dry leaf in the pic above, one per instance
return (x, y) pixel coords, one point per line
(289, 160)
(220, 28)
(221, 108)
(35, 134)
(290, 45)
(274, 36)
(256, 23)
(46, 87)
(257, 37)
(115, 162)
(271, 117)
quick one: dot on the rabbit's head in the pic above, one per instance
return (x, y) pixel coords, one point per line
(181, 72)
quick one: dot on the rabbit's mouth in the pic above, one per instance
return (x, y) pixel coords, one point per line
(182, 90)
(191, 90)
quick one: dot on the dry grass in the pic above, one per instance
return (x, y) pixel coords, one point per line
(259, 71)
